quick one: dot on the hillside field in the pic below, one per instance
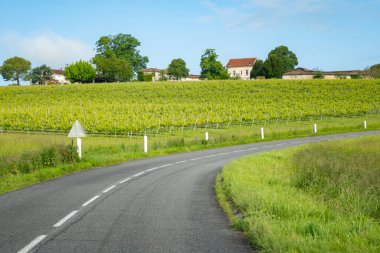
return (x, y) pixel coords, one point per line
(124, 107)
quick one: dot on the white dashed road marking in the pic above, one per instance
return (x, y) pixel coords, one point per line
(125, 180)
(108, 189)
(91, 200)
(139, 174)
(33, 243)
(60, 223)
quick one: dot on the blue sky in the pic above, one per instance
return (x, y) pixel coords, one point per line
(329, 35)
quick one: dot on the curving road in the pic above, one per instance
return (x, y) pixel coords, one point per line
(163, 204)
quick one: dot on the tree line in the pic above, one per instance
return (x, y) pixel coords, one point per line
(118, 59)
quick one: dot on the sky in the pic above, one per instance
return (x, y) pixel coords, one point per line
(324, 34)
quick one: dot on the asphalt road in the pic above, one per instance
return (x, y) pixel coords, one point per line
(163, 204)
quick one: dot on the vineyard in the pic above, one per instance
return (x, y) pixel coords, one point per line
(109, 108)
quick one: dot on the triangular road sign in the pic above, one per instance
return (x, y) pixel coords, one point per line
(77, 131)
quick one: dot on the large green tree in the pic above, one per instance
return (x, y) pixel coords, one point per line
(279, 61)
(258, 69)
(177, 69)
(211, 68)
(15, 69)
(80, 72)
(121, 46)
(113, 69)
(41, 75)
(374, 71)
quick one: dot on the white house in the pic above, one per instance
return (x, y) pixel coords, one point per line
(241, 68)
(59, 77)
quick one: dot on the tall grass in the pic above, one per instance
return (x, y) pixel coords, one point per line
(319, 198)
(100, 151)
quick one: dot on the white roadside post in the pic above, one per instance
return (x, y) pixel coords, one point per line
(315, 128)
(262, 133)
(365, 124)
(206, 136)
(145, 143)
(77, 131)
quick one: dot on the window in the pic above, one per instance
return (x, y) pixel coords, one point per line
(246, 72)
(234, 73)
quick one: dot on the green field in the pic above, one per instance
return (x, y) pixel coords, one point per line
(318, 198)
(35, 120)
(171, 106)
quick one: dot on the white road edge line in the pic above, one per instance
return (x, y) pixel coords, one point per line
(125, 180)
(108, 189)
(180, 162)
(91, 200)
(32, 244)
(67, 217)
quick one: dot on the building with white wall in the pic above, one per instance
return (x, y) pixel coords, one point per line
(59, 77)
(307, 74)
(241, 68)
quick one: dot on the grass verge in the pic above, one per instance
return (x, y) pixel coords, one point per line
(102, 151)
(317, 198)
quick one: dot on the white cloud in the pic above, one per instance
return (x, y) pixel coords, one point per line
(257, 13)
(46, 48)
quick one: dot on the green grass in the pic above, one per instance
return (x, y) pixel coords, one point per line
(317, 198)
(101, 151)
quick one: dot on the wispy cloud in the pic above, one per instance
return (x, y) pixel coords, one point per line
(46, 48)
(258, 13)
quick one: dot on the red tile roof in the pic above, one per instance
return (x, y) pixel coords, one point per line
(194, 76)
(303, 71)
(243, 62)
(59, 72)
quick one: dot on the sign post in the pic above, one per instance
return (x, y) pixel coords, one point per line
(145, 143)
(77, 131)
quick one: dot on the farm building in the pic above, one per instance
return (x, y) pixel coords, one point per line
(306, 74)
(241, 68)
(192, 78)
(59, 77)
(156, 73)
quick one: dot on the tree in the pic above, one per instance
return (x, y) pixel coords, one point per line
(113, 69)
(15, 68)
(41, 75)
(212, 69)
(279, 61)
(177, 69)
(319, 75)
(258, 69)
(80, 72)
(374, 71)
(122, 46)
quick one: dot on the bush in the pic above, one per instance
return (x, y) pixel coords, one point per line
(51, 156)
